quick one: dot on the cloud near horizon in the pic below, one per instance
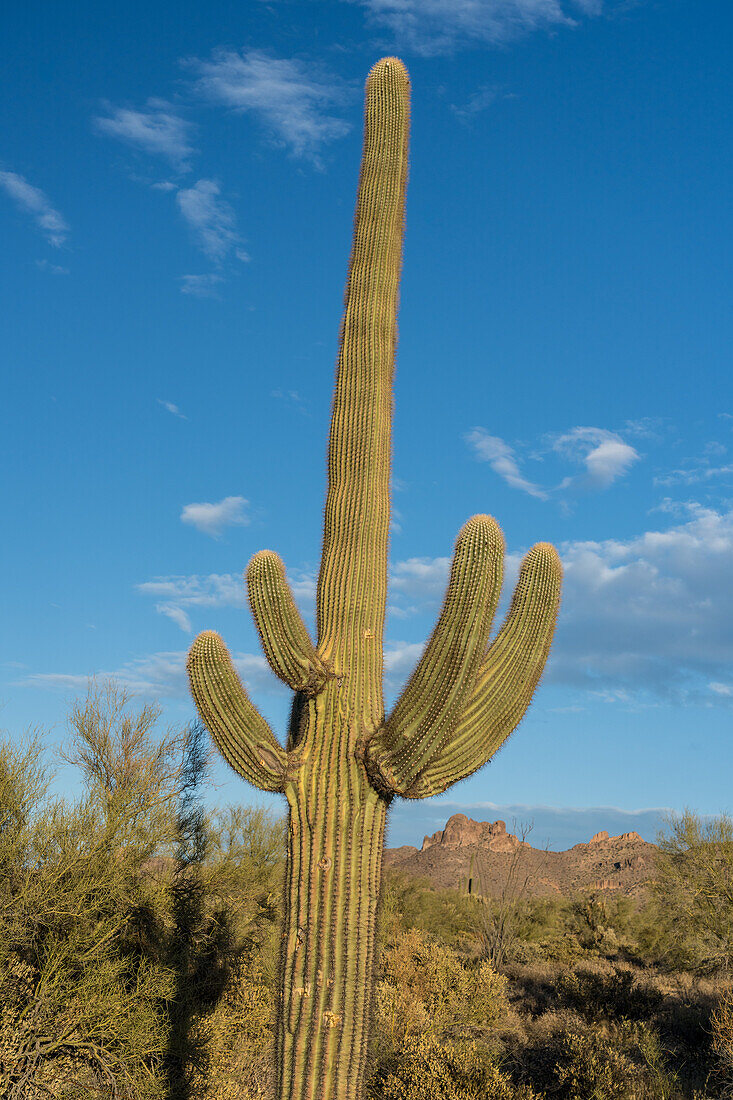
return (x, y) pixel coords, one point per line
(558, 827)
(643, 620)
(34, 202)
(161, 674)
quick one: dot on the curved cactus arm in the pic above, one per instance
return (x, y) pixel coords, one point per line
(507, 679)
(242, 735)
(284, 636)
(431, 705)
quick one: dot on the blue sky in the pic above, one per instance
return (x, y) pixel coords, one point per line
(176, 202)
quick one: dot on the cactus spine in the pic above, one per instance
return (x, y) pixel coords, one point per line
(344, 761)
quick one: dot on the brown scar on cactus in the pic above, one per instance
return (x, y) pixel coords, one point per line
(345, 761)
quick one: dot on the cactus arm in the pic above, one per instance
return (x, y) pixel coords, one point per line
(242, 735)
(507, 678)
(288, 648)
(435, 697)
(352, 582)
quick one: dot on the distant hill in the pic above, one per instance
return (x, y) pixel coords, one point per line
(485, 853)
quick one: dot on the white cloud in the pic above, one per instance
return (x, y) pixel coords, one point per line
(158, 130)
(481, 99)
(213, 518)
(420, 578)
(604, 454)
(211, 219)
(501, 458)
(698, 470)
(651, 615)
(161, 675)
(400, 659)
(34, 202)
(289, 97)
(212, 590)
(172, 409)
(176, 614)
(431, 27)
(642, 621)
(53, 269)
(178, 597)
(201, 286)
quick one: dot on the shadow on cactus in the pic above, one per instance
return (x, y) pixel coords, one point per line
(345, 761)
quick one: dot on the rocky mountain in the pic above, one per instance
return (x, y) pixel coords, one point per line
(481, 857)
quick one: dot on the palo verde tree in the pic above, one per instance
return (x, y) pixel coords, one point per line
(344, 761)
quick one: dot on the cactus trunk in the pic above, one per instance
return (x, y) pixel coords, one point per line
(334, 866)
(344, 761)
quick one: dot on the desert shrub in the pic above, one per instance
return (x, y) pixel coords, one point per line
(608, 990)
(78, 1006)
(722, 1037)
(407, 902)
(425, 986)
(626, 1061)
(238, 1038)
(689, 922)
(426, 1068)
(589, 1068)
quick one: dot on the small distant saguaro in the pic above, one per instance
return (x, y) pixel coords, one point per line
(344, 760)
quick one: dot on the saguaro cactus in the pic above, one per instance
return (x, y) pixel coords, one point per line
(344, 761)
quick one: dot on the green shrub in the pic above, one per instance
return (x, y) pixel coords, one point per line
(426, 1069)
(426, 986)
(690, 921)
(238, 1038)
(590, 1068)
(610, 991)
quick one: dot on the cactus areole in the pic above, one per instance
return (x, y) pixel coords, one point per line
(345, 761)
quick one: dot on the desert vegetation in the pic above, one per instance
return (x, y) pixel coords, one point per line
(140, 934)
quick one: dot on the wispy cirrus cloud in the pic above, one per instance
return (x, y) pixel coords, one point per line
(179, 597)
(478, 102)
(201, 286)
(161, 131)
(159, 675)
(291, 99)
(604, 454)
(502, 459)
(431, 27)
(52, 269)
(693, 474)
(172, 409)
(158, 130)
(211, 518)
(31, 200)
(211, 220)
(701, 468)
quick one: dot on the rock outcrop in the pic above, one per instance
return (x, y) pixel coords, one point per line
(461, 831)
(485, 855)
